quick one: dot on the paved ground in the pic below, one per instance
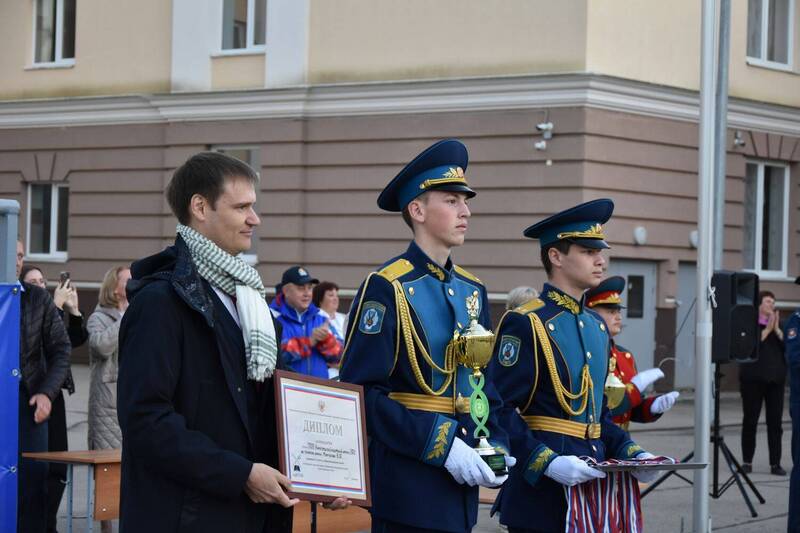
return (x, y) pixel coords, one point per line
(668, 509)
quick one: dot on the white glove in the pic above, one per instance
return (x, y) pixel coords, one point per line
(466, 466)
(646, 476)
(569, 470)
(664, 403)
(644, 379)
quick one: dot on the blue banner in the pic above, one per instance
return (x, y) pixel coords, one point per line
(9, 398)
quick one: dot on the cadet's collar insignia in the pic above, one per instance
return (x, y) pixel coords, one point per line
(593, 232)
(565, 301)
(436, 271)
(371, 318)
(509, 350)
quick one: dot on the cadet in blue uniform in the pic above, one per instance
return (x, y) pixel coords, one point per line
(424, 470)
(792, 346)
(550, 366)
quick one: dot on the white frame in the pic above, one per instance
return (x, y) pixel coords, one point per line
(250, 47)
(53, 256)
(759, 240)
(59, 62)
(250, 259)
(762, 61)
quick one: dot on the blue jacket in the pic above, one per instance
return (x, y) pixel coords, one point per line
(297, 351)
(411, 431)
(576, 338)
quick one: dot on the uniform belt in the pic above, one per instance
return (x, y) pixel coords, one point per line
(424, 402)
(563, 427)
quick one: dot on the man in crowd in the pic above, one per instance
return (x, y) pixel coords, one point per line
(308, 345)
(550, 365)
(198, 348)
(44, 361)
(424, 470)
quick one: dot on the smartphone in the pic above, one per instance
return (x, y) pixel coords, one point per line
(63, 277)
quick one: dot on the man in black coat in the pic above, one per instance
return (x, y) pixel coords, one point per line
(197, 415)
(44, 351)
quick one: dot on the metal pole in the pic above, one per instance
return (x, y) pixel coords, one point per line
(705, 266)
(9, 220)
(721, 129)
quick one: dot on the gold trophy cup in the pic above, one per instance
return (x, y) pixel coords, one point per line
(473, 347)
(614, 387)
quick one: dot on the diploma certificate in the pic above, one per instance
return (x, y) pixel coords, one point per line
(322, 438)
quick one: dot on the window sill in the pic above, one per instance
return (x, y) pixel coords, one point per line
(67, 63)
(258, 50)
(773, 276)
(771, 65)
(47, 258)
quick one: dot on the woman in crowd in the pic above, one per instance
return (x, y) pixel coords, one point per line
(103, 326)
(65, 296)
(763, 382)
(326, 297)
(520, 295)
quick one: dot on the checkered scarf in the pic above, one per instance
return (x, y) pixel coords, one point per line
(238, 279)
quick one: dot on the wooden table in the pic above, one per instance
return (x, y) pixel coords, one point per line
(102, 491)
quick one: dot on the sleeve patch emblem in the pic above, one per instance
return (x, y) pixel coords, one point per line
(371, 318)
(509, 350)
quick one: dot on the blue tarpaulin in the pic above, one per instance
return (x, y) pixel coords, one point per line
(9, 397)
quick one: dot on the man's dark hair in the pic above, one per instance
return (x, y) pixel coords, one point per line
(319, 290)
(561, 246)
(204, 174)
(764, 294)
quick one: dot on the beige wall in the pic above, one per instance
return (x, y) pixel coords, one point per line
(659, 42)
(389, 40)
(237, 72)
(120, 47)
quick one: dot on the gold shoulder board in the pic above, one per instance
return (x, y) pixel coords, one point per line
(468, 275)
(395, 270)
(530, 306)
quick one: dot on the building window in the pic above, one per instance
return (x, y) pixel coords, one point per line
(250, 155)
(54, 32)
(48, 221)
(766, 219)
(769, 31)
(244, 24)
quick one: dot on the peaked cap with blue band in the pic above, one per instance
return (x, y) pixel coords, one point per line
(607, 294)
(582, 224)
(439, 168)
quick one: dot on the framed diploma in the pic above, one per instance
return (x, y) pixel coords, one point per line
(322, 438)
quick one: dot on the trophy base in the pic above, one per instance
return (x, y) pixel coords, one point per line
(496, 460)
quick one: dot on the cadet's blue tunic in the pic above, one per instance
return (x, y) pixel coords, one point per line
(792, 344)
(408, 446)
(529, 500)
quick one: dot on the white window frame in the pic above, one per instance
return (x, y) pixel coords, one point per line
(59, 61)
(250, 259)
(774, 275)
(250, 47)
(762, 61)
(53, 256)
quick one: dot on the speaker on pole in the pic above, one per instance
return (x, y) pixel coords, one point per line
(735, 318)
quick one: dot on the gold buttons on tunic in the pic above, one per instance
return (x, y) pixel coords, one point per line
(588, 355)
(627, 355)
(580, 323)
(551, 327)
(450, 291)
(603, 327)
(411, 291)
